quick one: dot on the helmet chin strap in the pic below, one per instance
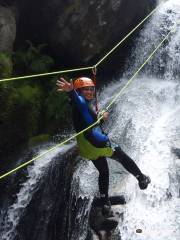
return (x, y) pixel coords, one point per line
(94, 71)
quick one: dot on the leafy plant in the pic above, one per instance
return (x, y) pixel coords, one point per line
(57, 111)
(29, 108)
(32, 60)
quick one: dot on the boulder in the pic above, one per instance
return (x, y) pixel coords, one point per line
(7, 29)
(103, 220)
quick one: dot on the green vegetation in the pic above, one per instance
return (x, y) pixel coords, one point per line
(42, 138)
(31, 60)
(31, 110)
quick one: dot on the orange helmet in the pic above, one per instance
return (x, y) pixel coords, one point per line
(83, 82)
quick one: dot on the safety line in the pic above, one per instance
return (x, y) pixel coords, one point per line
(83, 68)
(136, 73)
(97, 122)
(45, 74)
(133, 30)
(51, 149)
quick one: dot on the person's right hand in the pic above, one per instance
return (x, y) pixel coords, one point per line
(105, 116)
(63, 85)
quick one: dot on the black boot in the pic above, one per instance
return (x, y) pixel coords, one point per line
(106, 207)
(143, 181)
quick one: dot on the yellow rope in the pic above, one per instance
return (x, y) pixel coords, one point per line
(136, 73)
(119, 43)
(45, 74)
(83, 68)
(114, 99)
(51, 149)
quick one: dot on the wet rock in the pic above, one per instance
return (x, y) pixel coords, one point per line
(47, 216)
(114, 200)
(77, 32)
(87, 30)
(176, 151)
(103, 221)
(103, 224)
(7, 29)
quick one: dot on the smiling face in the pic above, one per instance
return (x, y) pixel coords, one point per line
(88, 92)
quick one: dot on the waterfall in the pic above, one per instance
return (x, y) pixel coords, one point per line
(35, 174)
(145, 123)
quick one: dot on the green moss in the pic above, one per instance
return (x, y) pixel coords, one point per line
(31, 60)
(43, 138)
(29, 107)
(28, 93)
(57, 111)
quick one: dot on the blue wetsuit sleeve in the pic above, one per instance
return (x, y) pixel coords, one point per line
(95, 135)
(82, 106)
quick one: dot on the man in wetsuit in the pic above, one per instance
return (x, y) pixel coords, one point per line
(94, 144)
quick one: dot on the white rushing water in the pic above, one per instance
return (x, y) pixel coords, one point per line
(27, 190)
(154, 109)
(147, 124)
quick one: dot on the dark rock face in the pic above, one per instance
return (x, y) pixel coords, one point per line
(92, 27)
(77, 32)
(48, 216)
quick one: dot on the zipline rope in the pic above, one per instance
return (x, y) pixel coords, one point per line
(136, 73)
(119, 43)
(113, 101)
(83, 68)
(45, 74)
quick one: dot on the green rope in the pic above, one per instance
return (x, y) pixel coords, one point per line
(45, 74)
(83, 68)
(114, 99)
(49, 150)
(119, 43)
(136, 73)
